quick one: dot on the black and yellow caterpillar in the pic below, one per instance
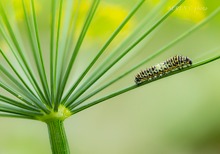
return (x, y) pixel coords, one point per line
(158, 70)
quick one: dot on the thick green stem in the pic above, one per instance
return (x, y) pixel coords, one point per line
(58, 139)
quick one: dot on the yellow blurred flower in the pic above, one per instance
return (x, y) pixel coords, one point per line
(110, 16)
(18, 8)
(192, 10)
(3, 46)
(107, 18)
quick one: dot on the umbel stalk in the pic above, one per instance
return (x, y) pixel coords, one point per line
(58, 139)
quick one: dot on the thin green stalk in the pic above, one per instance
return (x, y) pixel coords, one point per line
(35, 49)
(19, 111)
(11, 115)
(56, 53)
(200, 63)
(17, 74)
(26, 67)
(90, 82)
(178, 39)
(87, 23)
(70, 40)
(207, 54)
(53, 25)
(14, 69)
(19, 96)
(115, 33)
(147, 21)
(41, 62)
(191, 30)
(23, 98)
(17, 84)
(58, 139)
(67, 26)
(17, 104)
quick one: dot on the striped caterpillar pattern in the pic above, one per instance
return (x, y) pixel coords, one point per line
(172, 64)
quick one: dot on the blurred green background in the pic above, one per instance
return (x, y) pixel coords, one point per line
(176, 115)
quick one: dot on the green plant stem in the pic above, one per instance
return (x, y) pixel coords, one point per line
(87, 23)
(57, 51)
(139, 4)
(150, 57)
(200, 63)
(18, 53)
(58, 139)
(52, 55)
(42, 71)
(99, 73)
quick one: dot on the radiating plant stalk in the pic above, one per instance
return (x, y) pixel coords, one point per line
(32, 91)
